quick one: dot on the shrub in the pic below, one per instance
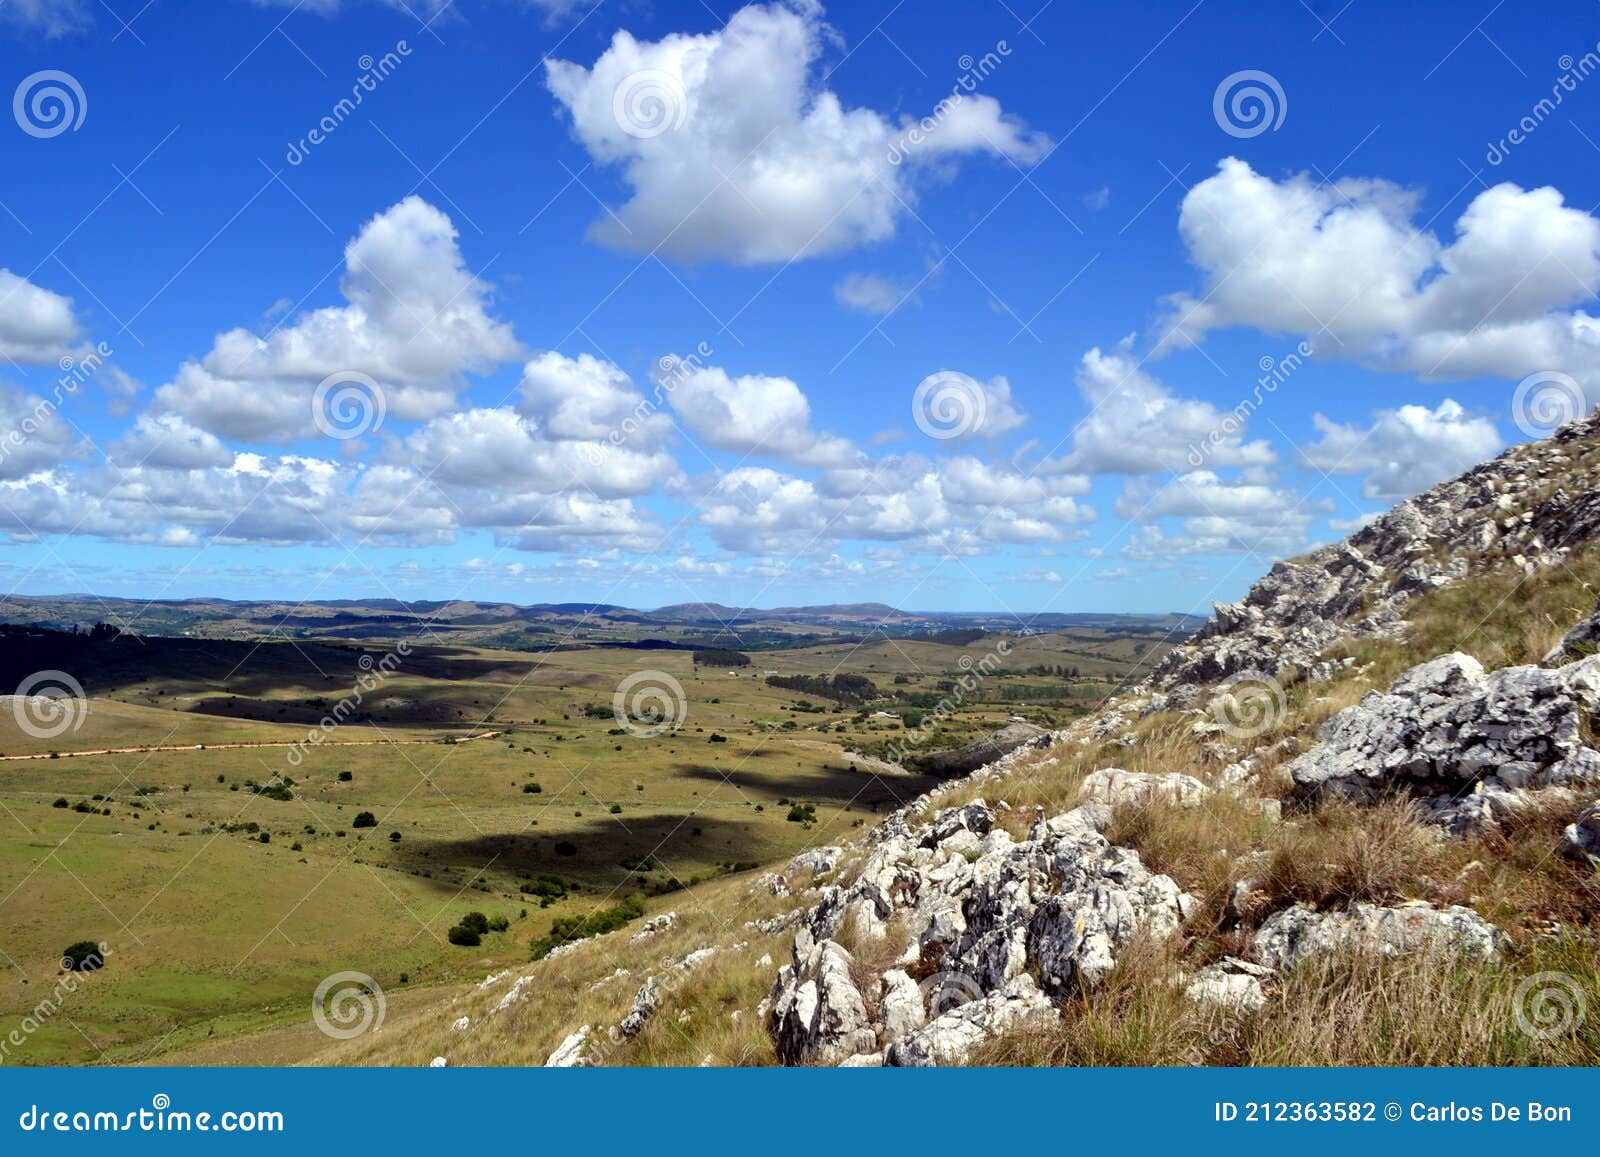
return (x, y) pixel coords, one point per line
(84, 956)
(476, 921)
(802, 813)
(364, 820)
(464, 937)
(532, 788)
(394, 837)
(616, 809)
(265, 837)
(61, 801)
(345, 777)
(566, 929)
(499, 924)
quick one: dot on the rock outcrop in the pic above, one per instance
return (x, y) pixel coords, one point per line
(1300, 933)
(951, 1038)
(1464, 742)
(972, 756)
(1525, 509)
(818, 1015)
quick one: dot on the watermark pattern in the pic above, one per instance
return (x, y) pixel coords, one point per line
(1248, 103)
(160, 1117)
(1573, 73)
(949, 405)
(648, 703)
(70, 979)
(374, 673)
(973, 74)
(1274, 372)
(348, 404)
(672, 370)
(74, 372)
(974, 672)
(348, 1004)
(1545, 400)
(49, 103)
(944, 991)
(373, 73)
(649, 103)
(1549, 1004)
(48, 704)
(1248, 704)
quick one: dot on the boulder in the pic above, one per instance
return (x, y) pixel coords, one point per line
(900, 1005)
(817, 1016)
(1581, 839)
(1117, 787)
(1300, 933)
(1230, 983)
(572, 1053)
(1464, 741)
(950, 1039)
(645, 1003)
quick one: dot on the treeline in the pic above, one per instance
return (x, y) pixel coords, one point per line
(849, 689)
(719, 658)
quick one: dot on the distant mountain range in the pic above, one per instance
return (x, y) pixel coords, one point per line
(544, 624)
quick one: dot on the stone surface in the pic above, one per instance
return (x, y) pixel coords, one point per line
(1301, 933)
(645, 1003)
(900, 1004)
(950, 1039)
(976, 754)
(1118, 787)
(1230, 983)
(1581, 839)
(817, 1015)
(572, 1053)
(1463, 741)
(1524, 509)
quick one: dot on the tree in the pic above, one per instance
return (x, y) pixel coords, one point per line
(84, 956)
(364, 820)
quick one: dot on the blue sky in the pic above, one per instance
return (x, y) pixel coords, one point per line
(954, 306)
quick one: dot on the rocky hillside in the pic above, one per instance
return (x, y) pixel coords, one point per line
(1525, 510)
(1356, 820)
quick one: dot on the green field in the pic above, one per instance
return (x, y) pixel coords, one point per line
(213, 934)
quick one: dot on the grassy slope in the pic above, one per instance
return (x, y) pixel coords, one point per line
(1348, 1010)
(216, 936)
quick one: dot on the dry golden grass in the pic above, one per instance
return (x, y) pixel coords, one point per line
(1350, 1009)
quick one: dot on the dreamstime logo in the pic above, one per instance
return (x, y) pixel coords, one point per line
(1549, 1004)
(348, 404)
(348, 1004)
(973, 74)
(944, 991)
(49, 103)
(74, 970)
(1274, 372)
(1545, 400)
(648, 703)
(648, 103)
(373, 674)
(1573, 73)
(962, 689)
(373, 73)
(49, 703)
(949, 405)
(75, 370)
(1248, 103)
(1248, 704)
(671, 372)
